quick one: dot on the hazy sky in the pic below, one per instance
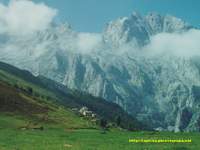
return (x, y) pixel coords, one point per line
(92, 15)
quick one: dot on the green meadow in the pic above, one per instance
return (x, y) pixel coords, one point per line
(82, 136)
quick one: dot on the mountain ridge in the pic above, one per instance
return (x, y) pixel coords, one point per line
(139, 29)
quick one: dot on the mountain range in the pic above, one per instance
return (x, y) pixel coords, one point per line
(160, 90)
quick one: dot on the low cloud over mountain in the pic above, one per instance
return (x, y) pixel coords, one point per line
(184, 44)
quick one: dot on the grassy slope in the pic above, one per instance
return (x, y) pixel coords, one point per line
(18, 110)
(48, 90)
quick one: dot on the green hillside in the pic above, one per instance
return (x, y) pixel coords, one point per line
(20, 110)
(47, 91)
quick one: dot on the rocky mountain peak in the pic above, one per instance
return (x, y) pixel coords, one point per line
(174, 24)
(127, 29)
(137, 28)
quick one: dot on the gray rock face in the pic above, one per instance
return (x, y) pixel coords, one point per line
(155, 21)
(166, 23)
(132, 29)
(161, 91)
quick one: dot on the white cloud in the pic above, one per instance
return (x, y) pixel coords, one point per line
(186, 44)
(87, 42)
(21, 17)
